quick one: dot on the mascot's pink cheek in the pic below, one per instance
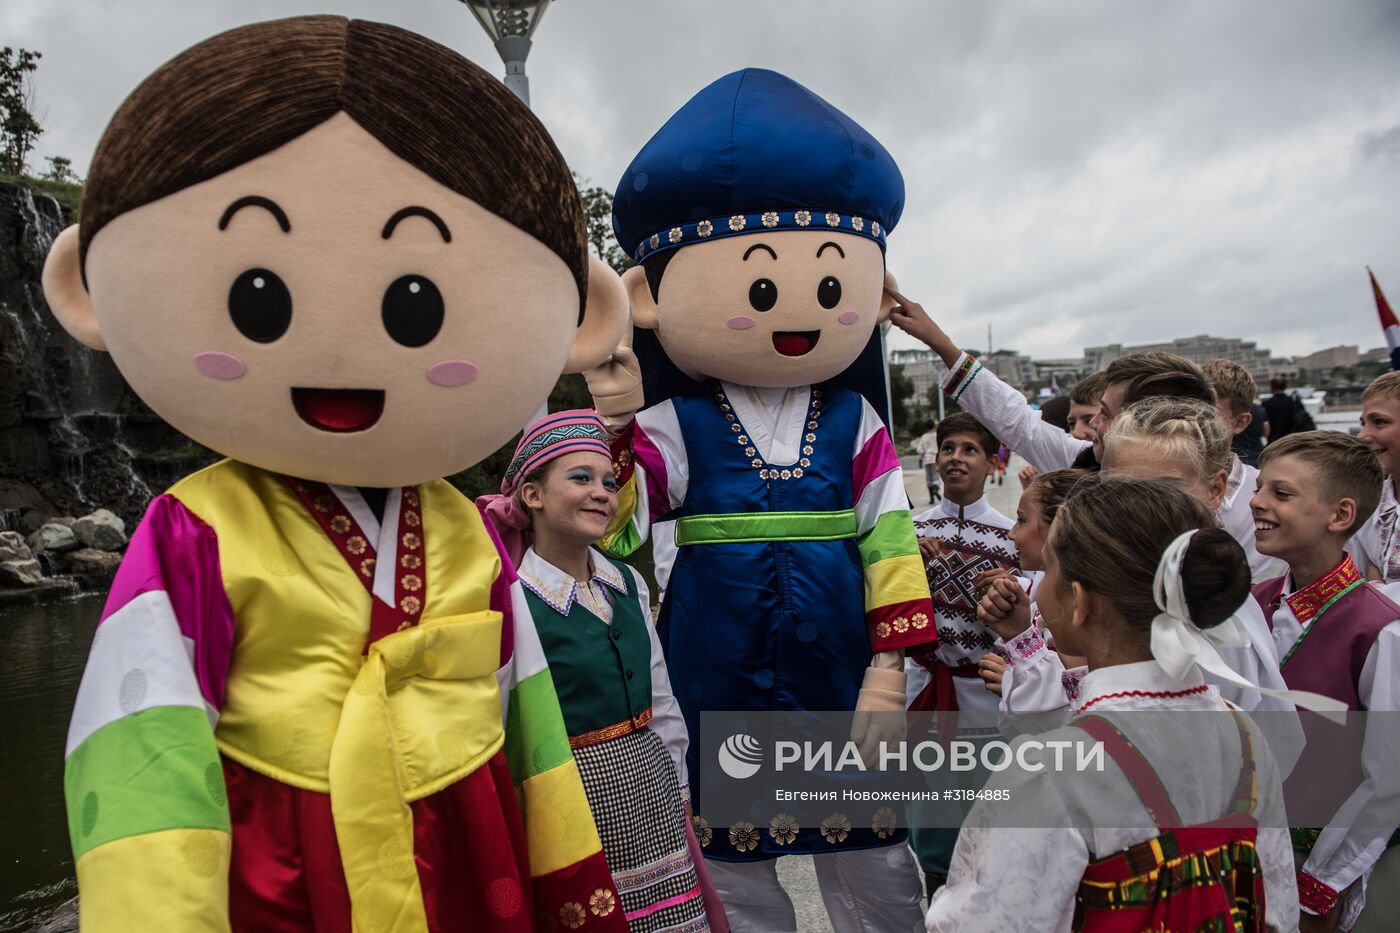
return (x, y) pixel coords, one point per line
(740, 322)
(848, 317)
(218, 365)
(452, 372)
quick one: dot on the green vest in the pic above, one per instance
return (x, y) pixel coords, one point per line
(601, 671)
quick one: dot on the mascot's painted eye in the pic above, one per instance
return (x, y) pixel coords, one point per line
(412, 310)
(260, 305)
(763, 295)
(829, 292)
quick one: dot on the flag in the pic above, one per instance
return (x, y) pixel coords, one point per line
(1389, 326)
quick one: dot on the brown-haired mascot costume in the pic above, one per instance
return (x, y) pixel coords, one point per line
(351, 261)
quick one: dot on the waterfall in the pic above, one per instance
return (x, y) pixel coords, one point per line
(73, 436)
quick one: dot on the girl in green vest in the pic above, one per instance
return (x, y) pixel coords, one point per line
(593, 615)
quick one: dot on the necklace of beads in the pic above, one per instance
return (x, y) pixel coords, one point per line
(766, 472)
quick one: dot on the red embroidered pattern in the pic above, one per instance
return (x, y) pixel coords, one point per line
(1314, 895)
(410, 586)
(1156, 694)
(1027, 643)
(1307, 602)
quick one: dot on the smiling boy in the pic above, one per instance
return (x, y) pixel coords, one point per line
(1376, 546)
(1315, 487)
(960, 537)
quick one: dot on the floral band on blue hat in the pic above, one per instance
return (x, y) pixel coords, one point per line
(715, 228)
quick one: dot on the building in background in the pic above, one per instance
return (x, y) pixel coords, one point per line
(921, 367)
(1064, 372)
(1015, 369)
(1198, 349)
(1330, 358)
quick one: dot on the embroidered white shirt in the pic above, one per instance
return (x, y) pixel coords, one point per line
(976, 538)
(1376, 544)
(1005, 411)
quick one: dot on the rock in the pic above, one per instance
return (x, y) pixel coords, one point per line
(47, 591)
(90, 562)
(65, 520)
(101, 530)
(12, 546)
(20, 573)
(62, 920)
(53, 537)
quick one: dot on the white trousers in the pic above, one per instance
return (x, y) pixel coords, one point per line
(865, 891)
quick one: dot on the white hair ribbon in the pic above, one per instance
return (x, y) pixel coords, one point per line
(1178, 643)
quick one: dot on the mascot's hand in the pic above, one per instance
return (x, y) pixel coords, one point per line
(879, 712)
(616, 386)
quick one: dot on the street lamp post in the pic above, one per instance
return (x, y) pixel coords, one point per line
(511, 24)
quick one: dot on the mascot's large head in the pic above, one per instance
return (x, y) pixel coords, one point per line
(334, 249)
(758, 214)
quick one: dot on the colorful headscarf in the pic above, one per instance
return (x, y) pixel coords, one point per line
(554, 435)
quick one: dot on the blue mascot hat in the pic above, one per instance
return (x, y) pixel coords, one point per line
(755, 151)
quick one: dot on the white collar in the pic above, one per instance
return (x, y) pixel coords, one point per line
(557, 588)
(385, 534)
(1141, 679)
(1234, 484)
(950, 509)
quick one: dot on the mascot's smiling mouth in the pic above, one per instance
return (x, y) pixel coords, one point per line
(795, 342)
(340, 411)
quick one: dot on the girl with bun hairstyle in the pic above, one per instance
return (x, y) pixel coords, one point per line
(1183, 828)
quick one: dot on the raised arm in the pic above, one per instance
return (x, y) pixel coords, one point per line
(1003, 409)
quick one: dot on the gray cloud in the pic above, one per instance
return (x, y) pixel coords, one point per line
(1079, 172)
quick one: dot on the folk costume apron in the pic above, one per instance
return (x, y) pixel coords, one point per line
(1205, 877)
(603, 674)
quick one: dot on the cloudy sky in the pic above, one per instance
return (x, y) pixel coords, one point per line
(1078, 172)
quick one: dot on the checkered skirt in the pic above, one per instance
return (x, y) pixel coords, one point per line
(636, 800)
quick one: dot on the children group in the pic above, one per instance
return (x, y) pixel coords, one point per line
(1303, 536)
(330, 693)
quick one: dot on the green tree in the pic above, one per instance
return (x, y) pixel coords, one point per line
(18, 126)
(597, 217)
(61, 171)
(901, 391)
